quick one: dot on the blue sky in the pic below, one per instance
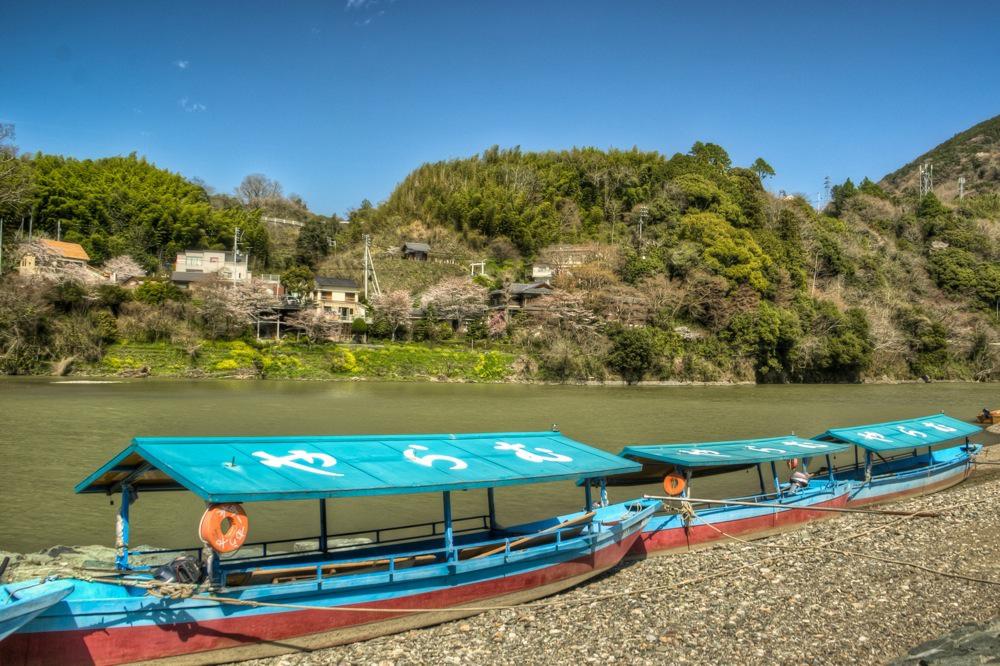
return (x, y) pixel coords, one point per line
(339, 100)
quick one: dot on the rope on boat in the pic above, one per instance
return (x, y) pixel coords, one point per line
(789, 551)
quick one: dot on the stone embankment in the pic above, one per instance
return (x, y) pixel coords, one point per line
(837, 591)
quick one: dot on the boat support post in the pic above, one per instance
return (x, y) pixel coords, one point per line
(586, 496)
(868, 465)
(122, 528)
(322, 525)
(604, 491)
(760, 476)
(777, 483)
(829, 470)
(449, 535)
(491, 502)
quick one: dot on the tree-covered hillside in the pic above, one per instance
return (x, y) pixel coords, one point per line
(696, 272)
(727, 281)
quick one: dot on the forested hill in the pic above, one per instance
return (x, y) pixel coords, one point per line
(974, 154)
(697, 272)
(739, 283)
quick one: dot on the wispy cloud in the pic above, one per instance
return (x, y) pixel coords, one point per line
(191, 107)
(371, 18)
(358, 4)
(182, 64)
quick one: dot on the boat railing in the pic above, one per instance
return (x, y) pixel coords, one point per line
(391, 563)
(436, 528)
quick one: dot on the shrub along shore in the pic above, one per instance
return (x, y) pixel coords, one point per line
(289, 360)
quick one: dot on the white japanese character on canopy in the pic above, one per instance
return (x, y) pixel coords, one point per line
(524, 454)
(291, 460)
(428, 460)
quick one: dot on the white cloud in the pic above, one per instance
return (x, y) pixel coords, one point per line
(182, 64)
(357, 4)
(191, 107)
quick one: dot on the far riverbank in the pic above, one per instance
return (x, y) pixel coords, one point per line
(404, 361)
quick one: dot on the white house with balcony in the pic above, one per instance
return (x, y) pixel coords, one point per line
(338, 297)
(200, 265)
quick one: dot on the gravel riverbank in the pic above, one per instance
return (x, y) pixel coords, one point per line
(782, 600)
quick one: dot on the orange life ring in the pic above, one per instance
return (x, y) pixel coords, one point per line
(674, 484)
(793, 463)
(210, 527)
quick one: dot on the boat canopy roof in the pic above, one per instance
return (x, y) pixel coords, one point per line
(740, 453)
(906, 434)
(253, 469)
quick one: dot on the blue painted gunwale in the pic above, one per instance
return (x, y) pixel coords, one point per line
(96, 605)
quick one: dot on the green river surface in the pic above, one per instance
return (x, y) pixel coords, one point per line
(54, 432)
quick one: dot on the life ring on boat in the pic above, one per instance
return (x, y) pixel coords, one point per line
(793, 463)
(211, 532)
(674, 484)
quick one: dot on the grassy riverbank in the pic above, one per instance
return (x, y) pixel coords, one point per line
(290, 360)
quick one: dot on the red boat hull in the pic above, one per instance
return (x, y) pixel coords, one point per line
(223, 640)
(698, 535)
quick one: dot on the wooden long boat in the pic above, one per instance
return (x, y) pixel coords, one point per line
(783, 506)
(900, 460)
(265, 602)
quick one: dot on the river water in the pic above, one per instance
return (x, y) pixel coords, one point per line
(54, 432)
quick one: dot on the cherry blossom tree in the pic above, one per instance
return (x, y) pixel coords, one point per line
(455, 298)
(394, 308)
(123, 268)
(316, 324)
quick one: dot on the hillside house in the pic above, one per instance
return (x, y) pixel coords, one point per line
(49, 258)
(339, 297)
(519, 296)
(555, 259)
(416, 251)
(193, 266)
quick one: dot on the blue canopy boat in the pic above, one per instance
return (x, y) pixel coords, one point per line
(907, 463)
(244, 606)
(803, 498)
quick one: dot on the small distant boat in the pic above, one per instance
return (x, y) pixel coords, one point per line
(988, 416)
(803, 498)
(211, 605)
(23, 602)
(907, 464)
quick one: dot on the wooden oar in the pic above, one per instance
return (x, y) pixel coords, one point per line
(523, 540)
(881, 512)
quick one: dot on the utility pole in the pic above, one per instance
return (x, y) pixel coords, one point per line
(961, 187)
(58, 230)
(370, 268)
(643, 212)
(236, 253)
(1, 246)
(31, 223)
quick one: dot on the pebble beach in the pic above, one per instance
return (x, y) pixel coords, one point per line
(816, 595)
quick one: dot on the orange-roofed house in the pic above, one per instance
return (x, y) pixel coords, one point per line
(48, 257)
